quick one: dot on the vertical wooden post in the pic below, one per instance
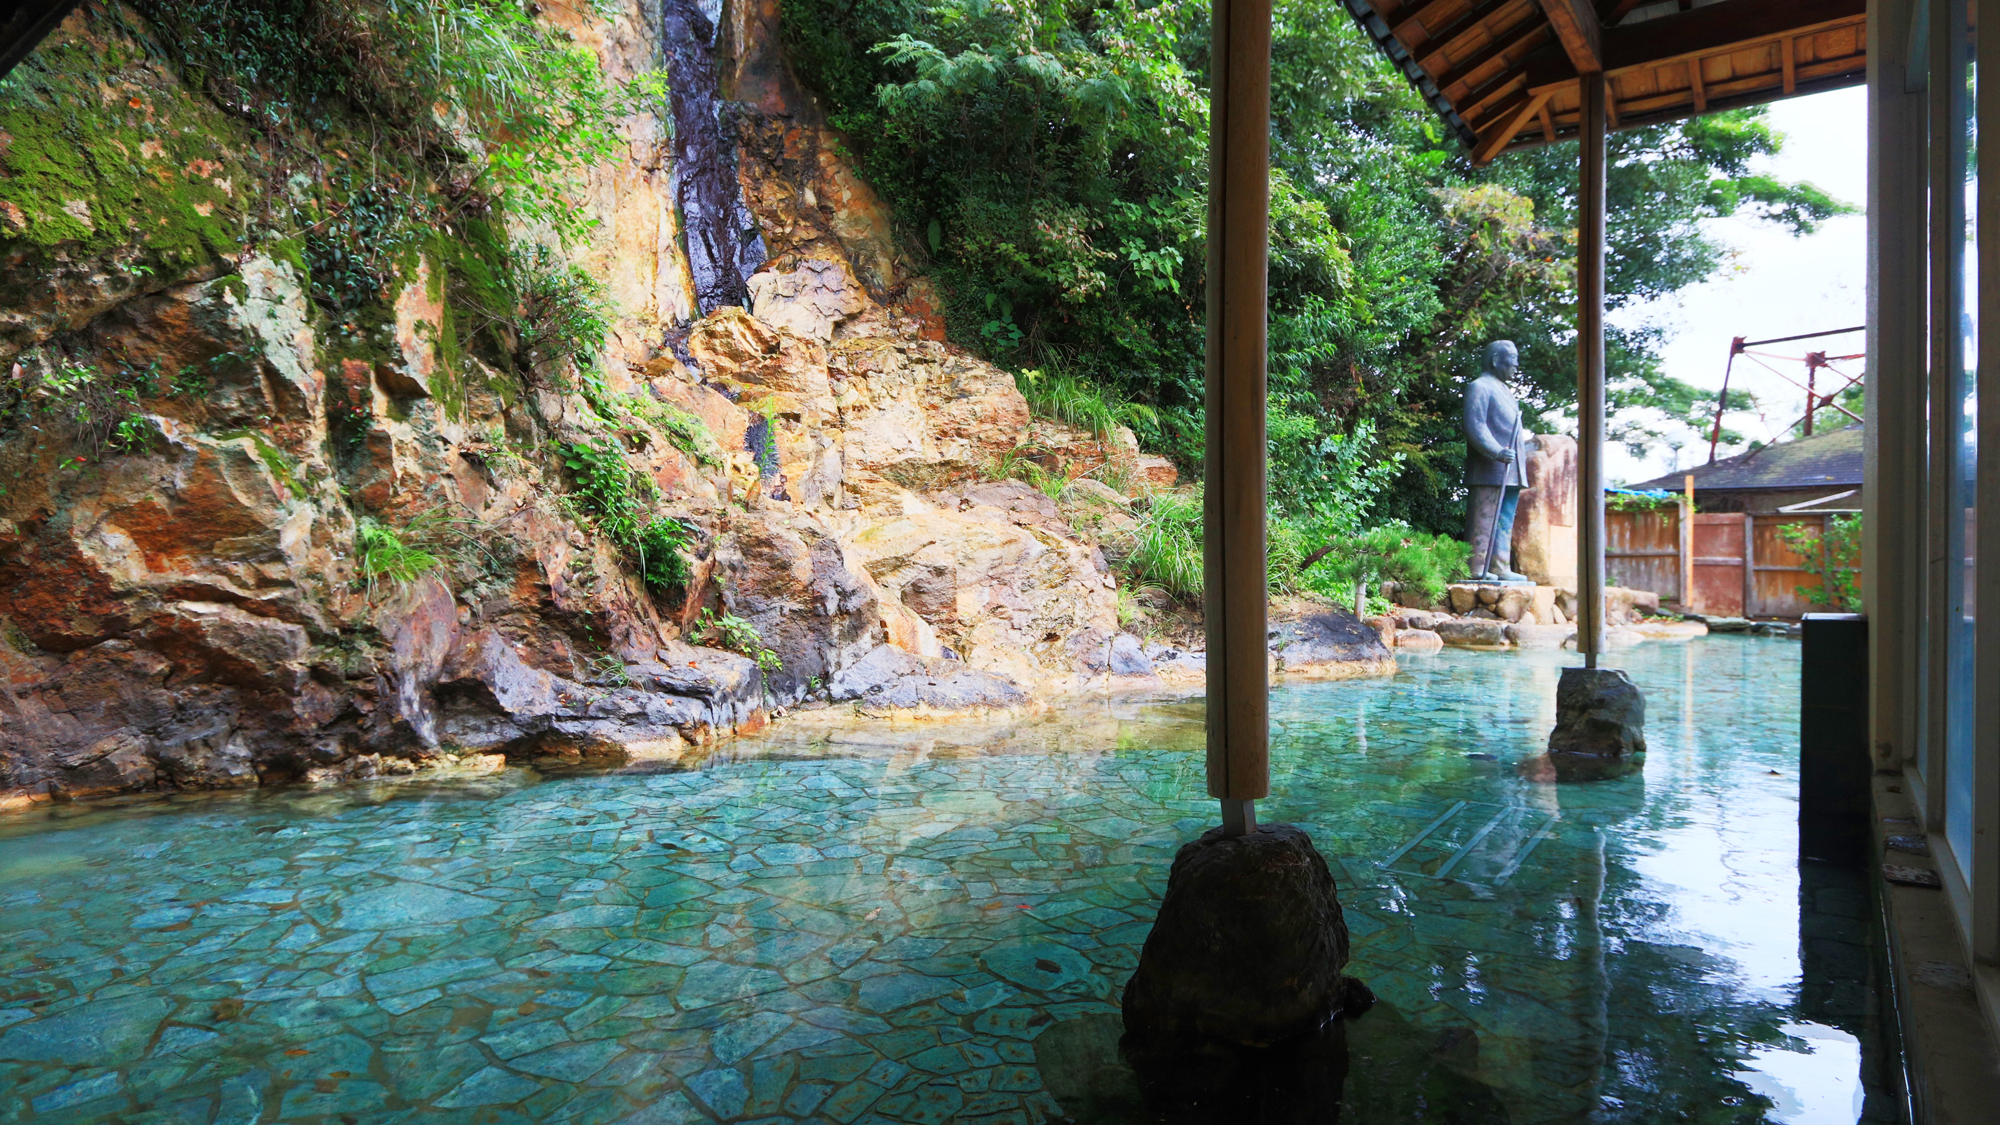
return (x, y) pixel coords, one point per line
(1687, 548)
(1892, 491)
(1590, 370)
(1749, 565)
(1239, 208)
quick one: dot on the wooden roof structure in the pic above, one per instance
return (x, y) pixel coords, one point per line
(1503, 74)
(27, 25)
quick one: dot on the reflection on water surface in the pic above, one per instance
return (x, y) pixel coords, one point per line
(932, 923)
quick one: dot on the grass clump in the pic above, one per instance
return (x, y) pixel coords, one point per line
(1078, 402)
(381, 555)
(1166, 547)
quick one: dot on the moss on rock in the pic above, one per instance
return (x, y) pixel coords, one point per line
(101, 149)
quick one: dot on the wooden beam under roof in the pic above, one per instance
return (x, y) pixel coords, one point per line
(26, 26)
(1528, 33)
(1438, 49)
(1419, 14)
(1575, 25)
(1511, 119)
(1715, 29)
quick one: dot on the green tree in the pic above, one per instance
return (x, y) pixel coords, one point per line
(1049, 160)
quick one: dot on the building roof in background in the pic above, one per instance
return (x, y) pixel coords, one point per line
(1502, 74)
(1827, 459)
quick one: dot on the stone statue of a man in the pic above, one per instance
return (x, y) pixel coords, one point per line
(1496, 454)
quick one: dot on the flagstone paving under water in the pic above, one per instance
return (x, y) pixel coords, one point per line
(908, 923)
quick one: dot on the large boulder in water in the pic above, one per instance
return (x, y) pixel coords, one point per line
(1600, 725)
(1335, 645)
(1248, 947)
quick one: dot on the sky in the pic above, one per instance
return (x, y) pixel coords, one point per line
(1774, 284)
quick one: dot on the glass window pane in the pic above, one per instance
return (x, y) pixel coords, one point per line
(1960, 742)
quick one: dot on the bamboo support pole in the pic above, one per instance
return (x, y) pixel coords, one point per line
(1590, 370)
(1239, 207)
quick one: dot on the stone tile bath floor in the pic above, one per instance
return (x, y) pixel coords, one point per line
(932, 923)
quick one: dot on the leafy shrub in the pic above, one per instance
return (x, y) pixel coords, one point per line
(565, 314)
(617, 499)
(353, 253)
(82, 404)
(662, 550)
(1324, 476)
(1833, 557)
(1640, 501)
(1337, 565)
(608, 492)
(737, 635)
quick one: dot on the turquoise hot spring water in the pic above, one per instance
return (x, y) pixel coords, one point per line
(873, 922)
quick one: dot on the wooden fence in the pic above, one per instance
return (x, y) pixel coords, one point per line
(1735, 562)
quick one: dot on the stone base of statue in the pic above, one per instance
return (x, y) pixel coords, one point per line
(1600, 725)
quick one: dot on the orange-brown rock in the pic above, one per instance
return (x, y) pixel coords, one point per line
(333, 544)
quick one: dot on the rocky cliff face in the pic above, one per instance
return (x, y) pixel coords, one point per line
(186, 596)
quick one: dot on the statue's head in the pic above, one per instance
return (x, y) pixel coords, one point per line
(1502, 358)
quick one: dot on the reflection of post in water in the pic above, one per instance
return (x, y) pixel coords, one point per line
(1590, 928)
(1557, 1064)
(1687, 699)
(1840, 965)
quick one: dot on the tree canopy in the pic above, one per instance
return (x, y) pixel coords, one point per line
(1048, 160)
